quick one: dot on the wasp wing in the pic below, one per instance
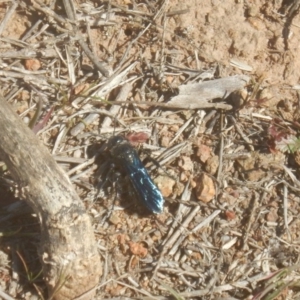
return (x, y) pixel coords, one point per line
(146, 190)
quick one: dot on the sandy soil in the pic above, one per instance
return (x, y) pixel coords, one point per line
(253, 202)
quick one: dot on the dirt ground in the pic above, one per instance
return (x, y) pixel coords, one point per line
(230, 226)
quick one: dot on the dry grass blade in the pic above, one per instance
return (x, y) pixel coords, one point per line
(8, 16)
(276, 283)
(109, 85)
(226, 141)
(5, 296)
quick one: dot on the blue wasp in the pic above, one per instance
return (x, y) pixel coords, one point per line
(127, 158)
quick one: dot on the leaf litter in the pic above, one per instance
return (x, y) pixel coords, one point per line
(229, 229)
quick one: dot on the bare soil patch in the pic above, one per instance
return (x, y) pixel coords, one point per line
(230, 225)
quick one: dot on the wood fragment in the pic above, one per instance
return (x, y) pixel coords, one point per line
(68, 250)
(198, 95)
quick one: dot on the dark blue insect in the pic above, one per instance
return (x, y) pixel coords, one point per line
(125, 156)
